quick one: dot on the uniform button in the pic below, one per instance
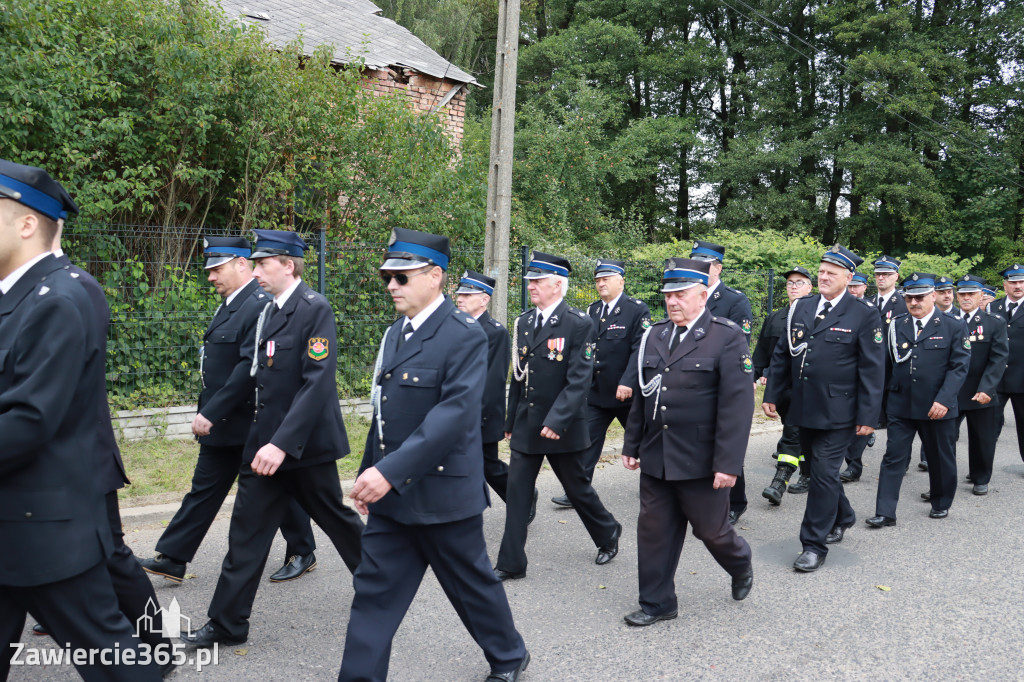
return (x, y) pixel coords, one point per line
(531, 371)
(261, 386)
(28, 515)
(382, 446)
(415, 380)
(261, 365)
(663, 408)
(812, 336)
(440, 468)
(408, 481)
(665, 427)
(597, 372)
(697, 365)
(664, 388)
(666, 369)
(531, 355)
(531, 404)
(388, 375)
(262, 405)
(384, 399)
(531, 388)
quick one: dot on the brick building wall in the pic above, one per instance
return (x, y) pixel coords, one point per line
(423, 92)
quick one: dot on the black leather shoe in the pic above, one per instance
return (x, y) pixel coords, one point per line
(969, 478)
(923, 466)
(938, 513)
(295, 567)
(507, 575)
(734, 516)
(640, 618)
(926, 496)
(533, 508)
(562, 501)
(38, 629)
(836, 536)
(165, 566)
(742, 583)
(512, 675)
(808, 562)
(980, 489)
(211, 634)
(801, 486)
(608, 552)
(847, 476)
(881, 521)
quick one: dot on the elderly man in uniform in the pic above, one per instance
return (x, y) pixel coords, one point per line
(931, 353)
(687, 433)
(552, 369)
(296, 436)
(979, 396)
(222, 422)
(787, 450)
(422, 478)
(832, 360)
(474, 293)
(620, 322)
(732, 304)
(944, 295)
(55, 509)
(858, 285)
(1011, 388)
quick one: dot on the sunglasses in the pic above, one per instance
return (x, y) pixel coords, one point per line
(401, 277)
(914, 297)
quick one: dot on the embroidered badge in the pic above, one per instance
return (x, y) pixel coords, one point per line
(588, 351)
(746, 326)
(646, 323)
(318, 349)
(748, 366)
(967, 344)
(878, 335)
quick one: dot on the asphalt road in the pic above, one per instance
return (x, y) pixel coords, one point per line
(936, 599)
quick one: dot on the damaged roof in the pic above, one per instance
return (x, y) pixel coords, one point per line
(350, 27)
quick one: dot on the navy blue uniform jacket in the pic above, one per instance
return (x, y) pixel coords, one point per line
(554, 392)
(704, 407)
(618, 339)
(431, 390)
(734, 305)
(989, 351)
(297, 394)
(498, 358)
(1013, 377)
(111, 468)
(935, 370)
(839, 382)
(51, 367)
(229, 392)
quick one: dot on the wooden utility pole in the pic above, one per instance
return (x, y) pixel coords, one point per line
(499, 176)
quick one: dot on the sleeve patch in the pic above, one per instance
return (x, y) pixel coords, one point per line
(748, 366)
(318, 348)
(878, 335)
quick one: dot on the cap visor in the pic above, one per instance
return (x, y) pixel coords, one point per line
(214, 261)
(539, 275)
(677, 286)
(403, 264)
(469, 290)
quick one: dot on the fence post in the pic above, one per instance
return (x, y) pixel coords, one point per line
(322, 262)
(771, 291)
(524, 296)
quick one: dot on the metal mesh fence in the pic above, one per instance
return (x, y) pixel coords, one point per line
(161, 302)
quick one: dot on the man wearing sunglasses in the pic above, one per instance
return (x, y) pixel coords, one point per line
(930, 352)
(421, 479)
(787, 450)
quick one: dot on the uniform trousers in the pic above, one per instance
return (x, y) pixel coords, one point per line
(216, 471)
(395, 557)
(939, 439)
(598, 421)
(568, 467)
(855, 453)
(827, 506)
(982, 433)
(1017, 400)
(495, 471)
(789, 442)
(260, 505)
(80, 612)
(666, 507)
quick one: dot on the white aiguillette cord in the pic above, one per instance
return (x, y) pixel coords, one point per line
(892, 346)
(799, 348)
(652, 387)
(376, 390)
(259, 333)
(519, 370)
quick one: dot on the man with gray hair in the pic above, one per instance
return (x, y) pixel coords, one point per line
(553, 362)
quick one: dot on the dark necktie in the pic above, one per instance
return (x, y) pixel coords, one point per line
(824, 310)
(676, 338)
(406, 329)
(1011, 308)
(540, 321)
(604, 311)
(920, 328)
